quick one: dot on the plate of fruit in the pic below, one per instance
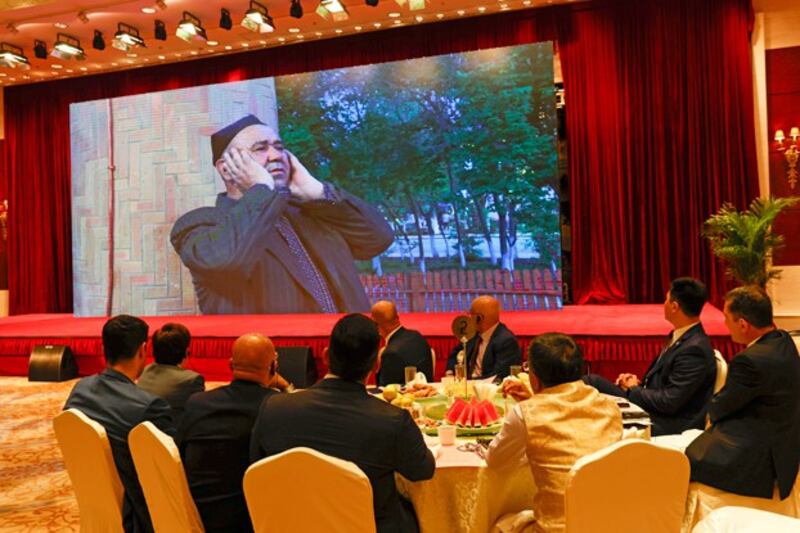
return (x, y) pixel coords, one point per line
(471, 417)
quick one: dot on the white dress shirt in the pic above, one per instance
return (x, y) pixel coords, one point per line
(485, 336)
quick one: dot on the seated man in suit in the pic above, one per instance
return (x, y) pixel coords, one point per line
(165, 378)
(494, 348)
(563, 421)
(113, 400)
(751, 447)
(404, 347)
(339, 418)
(214, 437)
(679, 383)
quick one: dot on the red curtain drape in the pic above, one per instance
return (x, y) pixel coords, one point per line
(659, 130)
(660, 134)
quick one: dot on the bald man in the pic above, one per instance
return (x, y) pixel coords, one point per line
(403, 347)
(494, 348)
(278, 240)
(214, 436)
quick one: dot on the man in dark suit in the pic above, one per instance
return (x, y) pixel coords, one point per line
(165, 378)
(339, 418)
(278, 240)
(404, 347)
(214, 437)
(753, 444)
(113, 400)
(494, 348)
(677, 387)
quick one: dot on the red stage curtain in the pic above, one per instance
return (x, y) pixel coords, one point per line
(660, 134)
(659, 116)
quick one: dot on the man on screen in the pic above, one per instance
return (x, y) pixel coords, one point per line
(278, 240)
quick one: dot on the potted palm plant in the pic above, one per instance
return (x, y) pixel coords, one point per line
(745, 240)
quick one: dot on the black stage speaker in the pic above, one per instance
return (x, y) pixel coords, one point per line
(297, 366)
(52, 362)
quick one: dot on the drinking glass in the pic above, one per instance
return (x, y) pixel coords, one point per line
(515, 370)
(461, 372)
(410, 373)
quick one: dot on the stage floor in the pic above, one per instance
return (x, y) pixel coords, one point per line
(614, 338)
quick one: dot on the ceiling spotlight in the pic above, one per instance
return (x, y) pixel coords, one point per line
(127, 37)
(333, 9)
(161, 31)
(12, 28)
(257, 19)
(40, 49)
(371, 3)
(413, 5)
(83, 17)
(60, 25)
(190, 28)
(67, 47)
(225, 21)
(11, 56)
(98, 43)
(296, 10)
(161, 4)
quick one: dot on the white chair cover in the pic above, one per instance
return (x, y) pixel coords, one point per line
(722, 371)
(703, 500)
(630, 486)
(304, 490)
(90, 465)
(160, 470)
(744, 520)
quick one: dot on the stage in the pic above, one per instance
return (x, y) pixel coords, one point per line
(614, 338)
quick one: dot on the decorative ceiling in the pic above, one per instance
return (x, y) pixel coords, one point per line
(22, 22)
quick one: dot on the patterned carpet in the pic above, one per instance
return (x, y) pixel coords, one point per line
(35, 492)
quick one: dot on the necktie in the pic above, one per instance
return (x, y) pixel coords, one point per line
(477, 369)
(314, 281)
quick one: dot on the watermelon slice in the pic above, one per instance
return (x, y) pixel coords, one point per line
(455, 410)
(480, 409)
(463, 418)
(491, 412)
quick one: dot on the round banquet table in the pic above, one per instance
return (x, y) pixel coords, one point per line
(464, 496)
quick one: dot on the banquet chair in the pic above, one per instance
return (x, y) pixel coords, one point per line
(90, 465)
(160, 470)
(433, 367)
(304, 490)
(722, 371)
(745, 520)
(630, 486)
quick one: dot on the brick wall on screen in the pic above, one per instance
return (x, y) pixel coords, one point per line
(163, 165)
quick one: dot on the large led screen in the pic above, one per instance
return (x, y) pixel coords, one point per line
(427, 182)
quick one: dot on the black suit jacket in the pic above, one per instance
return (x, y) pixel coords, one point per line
(240, 263)
(754, 438)
(678, 385)
(214, 441)
(173, 383)
(338, 418)
(502, 352)
(406, 347)
(117, 404)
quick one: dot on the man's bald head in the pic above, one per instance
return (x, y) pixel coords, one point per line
(384, 313)
(486, 311)
(254, 358)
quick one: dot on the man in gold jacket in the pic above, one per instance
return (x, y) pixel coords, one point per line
(563, 420)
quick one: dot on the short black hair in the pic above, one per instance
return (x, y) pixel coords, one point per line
(353, 347)
(122, 336)
(752, 304)
(555, 358)
(690, 294)
(170, 343)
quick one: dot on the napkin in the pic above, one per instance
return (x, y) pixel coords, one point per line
(484, 391)
(419, 379)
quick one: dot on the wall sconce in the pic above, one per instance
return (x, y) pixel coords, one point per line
(791, 151)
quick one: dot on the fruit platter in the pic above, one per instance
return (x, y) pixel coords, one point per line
(471, 417)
